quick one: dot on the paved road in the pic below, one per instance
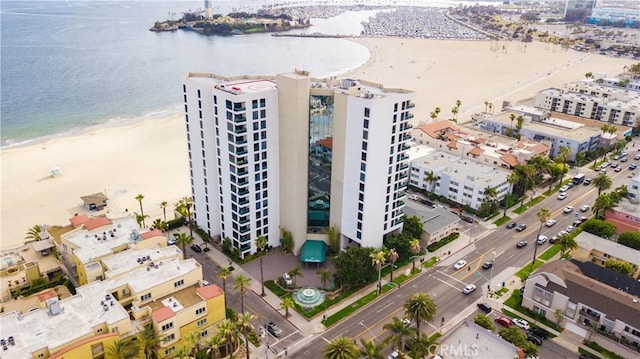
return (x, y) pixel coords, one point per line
(444, 283)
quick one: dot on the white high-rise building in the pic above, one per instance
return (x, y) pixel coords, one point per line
(296, 154)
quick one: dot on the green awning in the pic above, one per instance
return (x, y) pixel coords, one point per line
(313, 251)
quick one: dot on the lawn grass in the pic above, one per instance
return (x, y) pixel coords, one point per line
(430, 262)
(501, 221)
(527, 205)
(524, 273)
(515, 301)
(605, 353)
(348, 310)
(444, 241)
(275, 288)
(549, 253)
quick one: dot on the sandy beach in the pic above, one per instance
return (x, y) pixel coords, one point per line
(150, 158)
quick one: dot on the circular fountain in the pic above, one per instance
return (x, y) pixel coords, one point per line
(308, 297)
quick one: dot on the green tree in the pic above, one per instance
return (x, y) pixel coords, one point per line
(334, 239)
(183, 240)
(602, 182)
(543, 216)
(341, 348)
(370, 349)
(377, 259)
(621, 267)
(139, 198)
(415, 250)
(513, 178)
(242, 284)
(353, 267)
(563, 156)
(140, 218)
(599, 227)
(122, 349)
(630, 239)
(392, 257)
(224, 274)
(215, 342)
(484, 321)
(518, 338)
(431, 179)
(602, 204)
(559, 315)
(420, 345)
(412, 226)
(229, 330)
(147, 340)
(325, 275)
(567, 244)
(244, 326)
(158, 223)
(183, 206)
(33, 234)
(286, 304)
(580, 158)
(294, 273)
(261, 244)
(397, 333)
(519, 125)
(287, 240)
(420, 308)
(163, 206)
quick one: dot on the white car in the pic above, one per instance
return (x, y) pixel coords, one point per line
(562, 196)
(521, 323)
(584, 208)
(286, 278)
(468, 288)
(460, 264)
(564, 188)
(550, 223)
(568, 209)
(394, 355)
(569, 229)
(542, 239)
(413, 197)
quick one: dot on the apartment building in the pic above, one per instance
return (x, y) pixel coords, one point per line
(459, 179)
(597, 250)
(96, 238)
(588, 296)
(164, 294)
(298, 154)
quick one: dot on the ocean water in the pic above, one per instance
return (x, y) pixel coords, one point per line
(70, 65)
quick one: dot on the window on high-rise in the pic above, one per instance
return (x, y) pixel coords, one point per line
(366, 112)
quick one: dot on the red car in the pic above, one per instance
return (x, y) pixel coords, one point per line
(505, 322)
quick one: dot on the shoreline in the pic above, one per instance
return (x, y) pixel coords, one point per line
(148, 155)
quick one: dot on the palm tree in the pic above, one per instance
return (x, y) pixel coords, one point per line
(147, 340)
(139, 198)
(420, 308)
(184, 205)
(454, 112)
(602, 204)
(190, 342)
(414, 246)
(605, 129)
(370, 349)
(430, 178)
(163, 206)
(183, 239)
(566, 243)
(215, 342)
(420, 345)
(512, 117)
(486, 103)
(377, 258)
(397, 332)
(244, 325)
(563, 156)
(33, 234)
(182, 352)
(543, 216)
(140, 218)
(341, 348)
(122, 349)
(490, 194)
(602, 182)
(491, 107)
(224, 274)
(158, 223)
(294, 273)
(261, 243)
(392, 257)
(512, 179)
(527, 177)
(229, 330)
(437, 110)
(325, 275)
(242, 284)
(519, 124)
(286, 304)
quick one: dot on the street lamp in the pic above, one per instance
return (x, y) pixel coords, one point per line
(491, 274)
(375, 337)
(380, 278)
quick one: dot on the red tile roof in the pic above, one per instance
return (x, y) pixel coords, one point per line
(210, 291)
(151, 234)
(326, 142)
(97, 222)
(161, 314)
(434, 128)
(78, 220)
(453, 144)
(44, 296)
(476, 151)
(510, 159)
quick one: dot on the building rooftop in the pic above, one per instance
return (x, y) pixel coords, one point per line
(125, 261)
(471, 340)
(475, 172)
(79, 314)
(588, 241)
(433, 219)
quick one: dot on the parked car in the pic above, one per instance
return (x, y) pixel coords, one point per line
(487, 265)
(468, 288)
(570, 229)
(460, 264)
(550, 223)
(535, 340)
(586, 182)
(542, 239)
(485, 308)
(171, 241)
(539, 332)
(394, 355)
(521, 323)
(274, 329)
(633, 166)
(466, 219)
(636, 157)
(568, 209)
(618, 169)
(413, 197)
(406, 322)
(562, 196)
(196, 248)
(614, 165)
(521, 227)
(584, 208)
(553, 239)
(286, 278)
(624, 159)
(564, 188)
(511, 225)
(521, 244)
(504, 321)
